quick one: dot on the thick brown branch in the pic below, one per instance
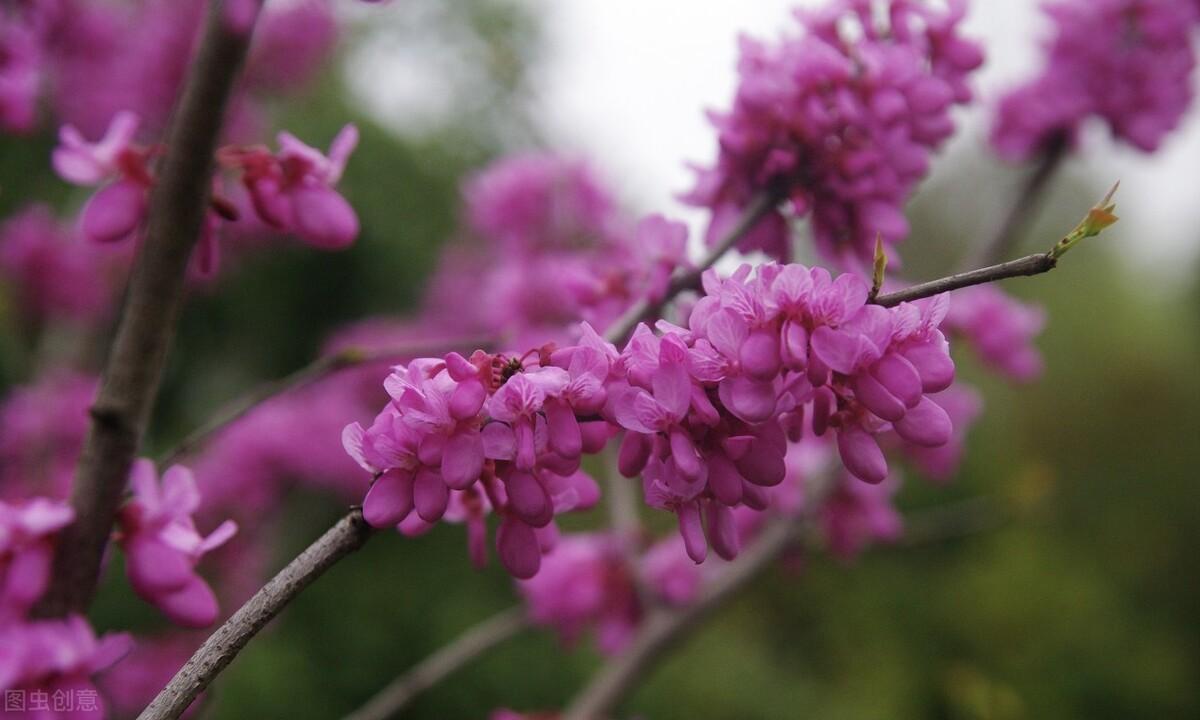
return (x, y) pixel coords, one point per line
(222, 646)
(152, 304)
(758, 208)
(448, 659)
(1028, 265)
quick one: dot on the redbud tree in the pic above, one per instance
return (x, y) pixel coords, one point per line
(565, 354)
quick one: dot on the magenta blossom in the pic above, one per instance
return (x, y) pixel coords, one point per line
(1000, 328)
(27, 532)
(1126, 62)
(19, 77)
(292, 190)
(584, 583)
(489, 427)
(857, 514)
(57, 656)
(117, 209)
(840, 120)
(671, 573)
(539, 201)
(162, 545)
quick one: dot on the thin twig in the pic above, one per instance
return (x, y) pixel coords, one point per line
(1028, 265)
(476, 641)
(1028, 201)
(147, 324)
(315, 371)
(759, 207)
(222, 646)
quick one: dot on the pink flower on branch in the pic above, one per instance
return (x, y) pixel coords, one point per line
(121, 167)
(27, 533)
(162, 545)
(706, 410)
(292, 189)
(840, 120)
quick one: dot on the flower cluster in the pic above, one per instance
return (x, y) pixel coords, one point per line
(707, 410)
(789, 350)
(43, 655)
(490, 431)
(555, 250)
(1128, 62)
(840, 120)
(162, 545)
(290, 191)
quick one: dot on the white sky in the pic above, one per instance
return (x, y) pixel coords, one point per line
(627, 80)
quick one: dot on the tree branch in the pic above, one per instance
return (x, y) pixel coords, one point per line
(135, 363)
(476, 641)
(315, 371)
(1030, 198)
(758, 208)
(1028, 265)
(222, 646)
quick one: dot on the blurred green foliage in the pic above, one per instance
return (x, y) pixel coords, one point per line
(1085, 604)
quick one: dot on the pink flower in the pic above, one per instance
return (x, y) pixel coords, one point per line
(671, 573)
(116, 210)
(856, 514)
(27, 532)
(476, 432)
(291, 43)
(1000, 328)
(529, 202)
(58, 655)
(292, 190)
(19, 76)
(162, 545)
(963, 404)
(584, 583)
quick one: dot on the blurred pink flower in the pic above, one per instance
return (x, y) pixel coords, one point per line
(162, 545)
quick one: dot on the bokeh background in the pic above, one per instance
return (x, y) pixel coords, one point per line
(1075, 595)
